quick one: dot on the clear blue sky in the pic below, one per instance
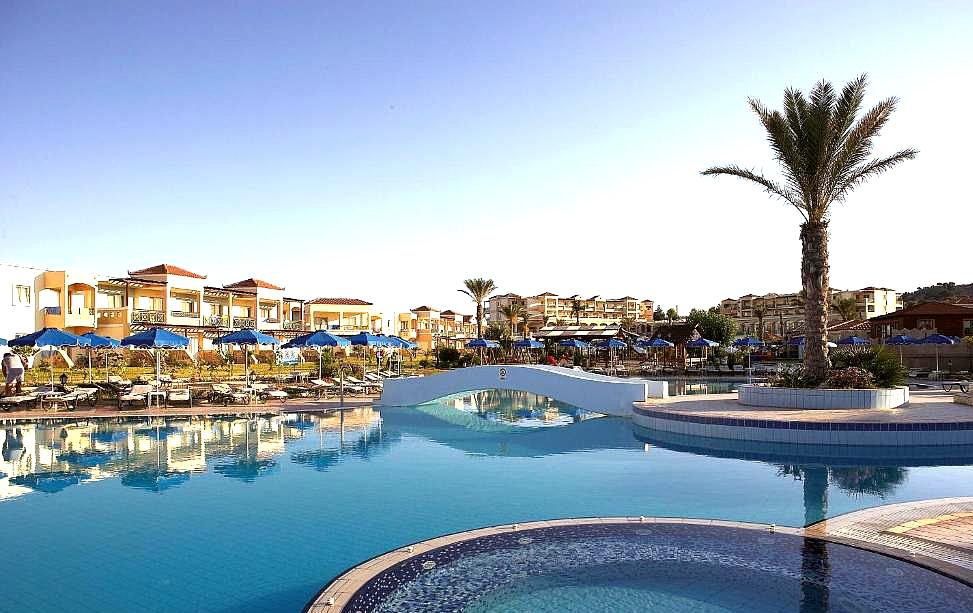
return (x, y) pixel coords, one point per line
(388, 150)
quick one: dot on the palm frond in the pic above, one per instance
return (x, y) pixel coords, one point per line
(770, 186)
(871, 169)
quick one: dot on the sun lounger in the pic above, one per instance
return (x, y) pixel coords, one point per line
(263, 390)
(182, 394)
(350, 388)
(221, 392)
(18, 402)
(963, 386)
(362, 383)
(138, 393)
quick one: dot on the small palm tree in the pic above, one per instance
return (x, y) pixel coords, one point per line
(577, 308)
(824, 150)
(515, 313)
(671, 315)
(479, 290)
(846, 307)
(760, 312)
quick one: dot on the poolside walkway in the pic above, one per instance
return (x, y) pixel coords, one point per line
(935, 533)
(293, 405)
(925, 406)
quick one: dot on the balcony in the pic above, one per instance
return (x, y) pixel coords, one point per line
(216, 320)
(112, 316)
(292, 325)
(142, 316)
(244, 322)
(80, 317)
(184, 314)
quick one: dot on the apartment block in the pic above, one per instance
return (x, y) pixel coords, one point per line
(783, 314)
(343, 316)
(429, 327)
(170, 297)
(548, 309)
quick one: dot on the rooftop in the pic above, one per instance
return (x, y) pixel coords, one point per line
(251, 282)
(166, 269)
(353, 301)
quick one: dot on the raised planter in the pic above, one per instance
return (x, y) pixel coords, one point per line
(814, 398)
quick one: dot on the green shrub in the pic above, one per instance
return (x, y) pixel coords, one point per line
(794, 376)
(883, 364)
(448, 356)
(849, 378)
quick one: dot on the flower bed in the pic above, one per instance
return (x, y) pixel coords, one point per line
(817, 398)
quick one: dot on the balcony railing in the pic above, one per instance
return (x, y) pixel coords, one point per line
(216, 320)
(184, 314)
(114, 315)
(292, 325)
(148, 317)
(244, 322)
(52, 310)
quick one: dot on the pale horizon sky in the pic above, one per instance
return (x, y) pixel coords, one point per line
(388, 151)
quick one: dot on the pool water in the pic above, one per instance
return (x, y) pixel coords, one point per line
(238, 515)
(659, 568)
(688, 386)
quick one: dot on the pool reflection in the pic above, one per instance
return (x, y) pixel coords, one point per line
(157, 455)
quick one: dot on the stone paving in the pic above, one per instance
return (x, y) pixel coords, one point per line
(926, 406)
(937, 533)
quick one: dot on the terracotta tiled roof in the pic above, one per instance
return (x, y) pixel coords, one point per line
(928, 308)
(356, 301)
(251, 282)
(422, 308)
(166, 269)
(851, 324)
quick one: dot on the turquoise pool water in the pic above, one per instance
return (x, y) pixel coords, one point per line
(237, 515)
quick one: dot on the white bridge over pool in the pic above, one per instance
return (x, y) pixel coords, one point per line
(599, 393)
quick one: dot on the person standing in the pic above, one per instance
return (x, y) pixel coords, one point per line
(13, 372)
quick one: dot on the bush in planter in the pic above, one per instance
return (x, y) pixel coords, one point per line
(883, 364)
(790, 377)
(849, 378)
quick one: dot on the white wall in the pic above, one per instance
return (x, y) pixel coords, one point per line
(16, 318)
(582, 389)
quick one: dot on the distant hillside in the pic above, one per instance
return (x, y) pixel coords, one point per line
(946, 292)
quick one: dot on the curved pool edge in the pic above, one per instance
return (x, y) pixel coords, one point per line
(340, 591)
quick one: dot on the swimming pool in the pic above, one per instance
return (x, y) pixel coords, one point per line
(238, 515)
(633, 566)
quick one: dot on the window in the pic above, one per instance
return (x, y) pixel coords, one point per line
(968, 327)
(926, 324)
(113, 301)
(871, 308)
(22, 295)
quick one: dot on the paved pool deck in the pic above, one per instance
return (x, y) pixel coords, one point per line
(925, 406)
(935, 534)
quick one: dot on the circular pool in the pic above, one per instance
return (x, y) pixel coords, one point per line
(627, 565)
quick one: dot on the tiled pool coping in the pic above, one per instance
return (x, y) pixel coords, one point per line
(924, 423)
(340, 592)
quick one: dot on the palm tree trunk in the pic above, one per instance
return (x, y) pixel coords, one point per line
(814, 277)
(479, 319)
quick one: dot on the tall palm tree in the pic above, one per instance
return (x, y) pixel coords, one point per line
(824, 150)
(479, 289)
